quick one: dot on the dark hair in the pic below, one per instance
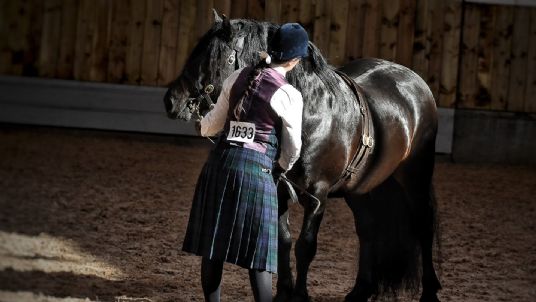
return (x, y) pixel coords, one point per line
(253, 75)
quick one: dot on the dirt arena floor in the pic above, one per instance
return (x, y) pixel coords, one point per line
(96, 216)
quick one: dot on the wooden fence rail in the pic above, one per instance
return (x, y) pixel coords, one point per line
(146, 42)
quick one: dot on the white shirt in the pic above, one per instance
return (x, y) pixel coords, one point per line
(286, 102)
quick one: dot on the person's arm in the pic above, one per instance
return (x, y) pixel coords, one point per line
(288, 104)
(215, 119)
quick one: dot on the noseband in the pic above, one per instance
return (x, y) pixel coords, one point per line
(203, 96)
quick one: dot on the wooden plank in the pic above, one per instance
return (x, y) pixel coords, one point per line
(530, 94)
(239, 9)
(306, 15)
(117, 52)
(135, 41)
(406, 31)
(99, 44)
(84, 39)
(469, 60)
(371, 37)
(272, 11)
(389, 30)
(421, 43)
(168, 45)
(18, 18)
(64, 68)
(485, 60)
(450, 54)
(223, 7)
(205, 17)
(186, 38)
(518, 71)
(290, 11)
(151, 42)
(50, 38)
(255, 9)
(502, 48)
(33, 38)
(338, 26)
(321, 35)
(5, 54)
(355, 29)
(436, 14)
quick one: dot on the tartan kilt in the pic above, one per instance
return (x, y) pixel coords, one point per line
(234, 215)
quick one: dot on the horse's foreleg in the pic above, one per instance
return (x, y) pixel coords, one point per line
(285, 283)
(307, 243)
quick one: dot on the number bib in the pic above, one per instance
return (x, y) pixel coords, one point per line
(241, 132)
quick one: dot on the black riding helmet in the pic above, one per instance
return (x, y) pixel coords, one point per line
(290, 41)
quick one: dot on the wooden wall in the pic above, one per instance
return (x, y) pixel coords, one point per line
(145, 42)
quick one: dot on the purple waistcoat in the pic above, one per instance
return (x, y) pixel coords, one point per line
(258, 108)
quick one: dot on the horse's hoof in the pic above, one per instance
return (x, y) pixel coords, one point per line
(429, 297)
(353, 297)
(304, 297)
(282, 297)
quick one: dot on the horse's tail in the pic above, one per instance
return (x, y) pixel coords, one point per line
(398, 223)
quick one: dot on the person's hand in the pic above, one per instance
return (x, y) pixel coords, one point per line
(277, 171)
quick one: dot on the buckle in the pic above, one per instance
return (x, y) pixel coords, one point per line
(367, 140)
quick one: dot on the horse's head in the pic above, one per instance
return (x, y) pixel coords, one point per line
(227, 46)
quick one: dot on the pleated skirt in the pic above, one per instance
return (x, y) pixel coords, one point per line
(234, 215)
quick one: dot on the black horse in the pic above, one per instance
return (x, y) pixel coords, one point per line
(372, 143)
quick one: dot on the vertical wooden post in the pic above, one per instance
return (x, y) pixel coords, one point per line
(272, 10)
(290, 11)
(389, 29)
(168, 45)
(50, 38)
(84, 38)
(469, 64)
(135, 41)
(500, 67)
(65, 66)
(99, 44)
(321, 35)
(306, 14)
(518, 73)
(530, 95)
(450, 54)
(436, 45)
(255, 9)
(118, 41)
(337, 33)
(151, 42)
(186, 32)
(239, 9)
(371, 37)
(421, 43)
(355, 29)
(406, 31)
(485, 59)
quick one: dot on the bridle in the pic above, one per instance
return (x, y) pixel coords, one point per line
(204, 95)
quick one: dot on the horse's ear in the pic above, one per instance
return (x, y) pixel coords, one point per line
(217, 17)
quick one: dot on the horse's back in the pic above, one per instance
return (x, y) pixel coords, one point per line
(403, 111)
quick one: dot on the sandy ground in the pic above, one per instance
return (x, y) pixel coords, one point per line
(94, 216)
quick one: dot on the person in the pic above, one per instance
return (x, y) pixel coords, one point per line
(234, 215)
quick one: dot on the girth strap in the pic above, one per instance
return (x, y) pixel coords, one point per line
(366, 144)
